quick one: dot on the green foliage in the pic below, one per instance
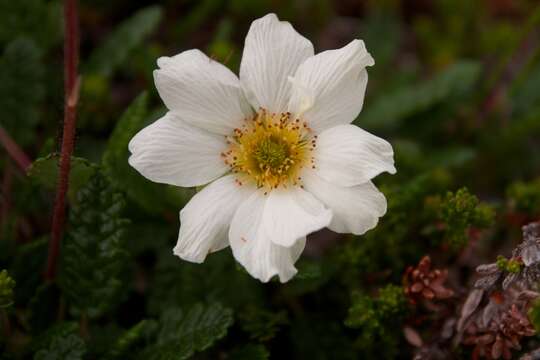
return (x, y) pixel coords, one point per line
(390, 110)
(93, 255)
(44, 171)
(378, 319)
(182, 333)
(129, 338)
(28, 265)
(211, 281)
(525, 196)
(261, 324)
(60, 330)
(7, 284)
(123, 40)
(69, 347)
(460, 211)
(387, 246)
(454, 90)
(21, 89)
(39, 20)
(509, 265)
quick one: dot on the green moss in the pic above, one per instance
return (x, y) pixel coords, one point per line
(378, 320)
(460, 211)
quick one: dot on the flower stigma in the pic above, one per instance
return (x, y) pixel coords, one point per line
(270, 149)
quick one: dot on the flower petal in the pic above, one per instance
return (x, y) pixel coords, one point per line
(292, 213)
(202, 91)
(205, 220)
(328, 88)
(252, 247)
(347, 155)
(356, 209)
(273, 51)
(173, 152)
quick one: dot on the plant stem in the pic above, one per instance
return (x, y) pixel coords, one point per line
(71, 94)
(14, 150)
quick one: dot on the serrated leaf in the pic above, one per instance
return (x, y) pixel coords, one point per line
(124, 39)
(183, 332)
(390, 110)
(93, 256)
(44, 171)
(150, 196)
(129, 338)
(71, 347)
(21, 89)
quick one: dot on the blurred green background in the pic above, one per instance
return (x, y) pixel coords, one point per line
(455, 89)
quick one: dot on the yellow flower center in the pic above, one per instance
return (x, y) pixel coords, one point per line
(270, 149)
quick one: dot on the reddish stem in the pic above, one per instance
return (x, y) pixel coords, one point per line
(71, 93)
(14, 150)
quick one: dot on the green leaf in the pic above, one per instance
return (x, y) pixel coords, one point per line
(44, 171)
(123, 40)
(183, 332)
(388, 112)
(211, 281)
(71, 347)
(7, 284)
(250, 352)
(94, 259)
(150, 196)
(21, 89)
(129, 338)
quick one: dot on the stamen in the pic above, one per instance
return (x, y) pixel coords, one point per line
(270, 149)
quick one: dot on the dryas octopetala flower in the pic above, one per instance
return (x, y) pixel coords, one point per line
(275, 146)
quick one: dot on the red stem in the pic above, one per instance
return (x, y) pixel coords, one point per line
(71, 88)
(14, 150)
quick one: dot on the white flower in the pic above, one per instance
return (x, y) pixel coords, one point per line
(275, 146)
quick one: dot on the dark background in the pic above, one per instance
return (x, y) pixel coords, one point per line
(455, 89)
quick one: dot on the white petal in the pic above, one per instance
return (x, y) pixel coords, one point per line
(293, 213)
(173, 152)
(273, 51)
(337, 81)
(205, 220)
(356, 209)
(347, 155)
(252, 247)
(201, 91)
